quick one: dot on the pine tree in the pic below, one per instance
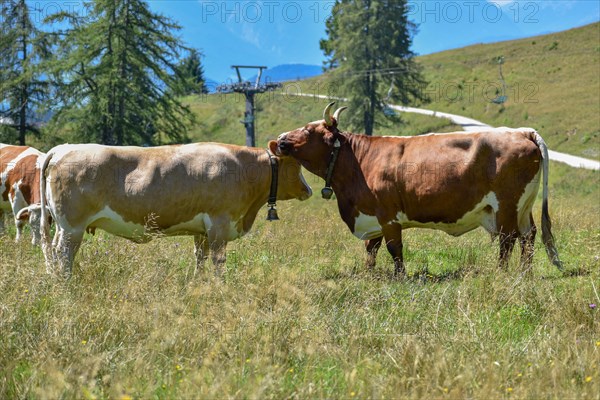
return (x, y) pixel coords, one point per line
(191, 75)
(117, 71)
(368, 48)
(23, 91)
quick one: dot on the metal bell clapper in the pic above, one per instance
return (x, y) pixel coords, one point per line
(272, 213)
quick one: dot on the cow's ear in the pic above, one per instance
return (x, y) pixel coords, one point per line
(273, 148)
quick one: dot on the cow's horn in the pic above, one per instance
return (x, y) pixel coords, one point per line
(336, 114)
(327, 114)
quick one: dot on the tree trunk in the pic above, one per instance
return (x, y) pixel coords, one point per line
(370, 79)
(123, 76)
(23, 95)
(368, 116)
(372, 101)
(109, 127)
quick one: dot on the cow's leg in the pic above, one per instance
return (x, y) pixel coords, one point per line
(19, 224)
(506, 220)
(35, 217)
(527, 238)
(15, 197)
(217, 254)
(201, 249)
(392, 234)
(48, 248)
(2, 228)
(67, 247)
(507, 242)
(372, 247)
(217, 240)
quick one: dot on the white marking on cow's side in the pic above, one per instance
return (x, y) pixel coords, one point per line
(480, 215)
(200, 224)
(18, 200)
(525, 204)
(366, 227)
(111, 222)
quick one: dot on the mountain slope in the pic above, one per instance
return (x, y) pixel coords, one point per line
(553, 85)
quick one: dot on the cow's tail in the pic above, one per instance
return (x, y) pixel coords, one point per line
(45, 222)
(547, 237)
(24, 212)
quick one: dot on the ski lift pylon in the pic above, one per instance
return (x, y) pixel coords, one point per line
(387, 110)
(503, 97)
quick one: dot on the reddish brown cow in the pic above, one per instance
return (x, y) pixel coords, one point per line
(453, 182)
(19, 187)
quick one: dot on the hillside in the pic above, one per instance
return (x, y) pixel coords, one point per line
(219, 118)
(553, 85)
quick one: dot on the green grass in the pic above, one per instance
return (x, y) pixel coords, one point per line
(297, 316)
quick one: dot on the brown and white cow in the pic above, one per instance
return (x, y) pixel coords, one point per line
(20, 187)
(211, 191)
(454, 182)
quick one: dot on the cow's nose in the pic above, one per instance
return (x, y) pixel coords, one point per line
(283, 145)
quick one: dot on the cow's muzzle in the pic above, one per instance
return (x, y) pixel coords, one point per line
(284, 147)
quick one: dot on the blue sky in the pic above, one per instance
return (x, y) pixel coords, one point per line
(280, 32)
(274, 32)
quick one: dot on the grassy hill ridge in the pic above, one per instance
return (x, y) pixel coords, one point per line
(552, 85)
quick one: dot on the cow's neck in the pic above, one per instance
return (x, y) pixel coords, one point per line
(348, 181)
(260, 188)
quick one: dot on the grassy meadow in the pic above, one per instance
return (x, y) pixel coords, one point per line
(296, 314)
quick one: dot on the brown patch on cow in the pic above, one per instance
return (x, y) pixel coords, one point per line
(25, 170)
(7, 156)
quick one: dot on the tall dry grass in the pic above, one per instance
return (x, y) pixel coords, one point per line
(297, 316)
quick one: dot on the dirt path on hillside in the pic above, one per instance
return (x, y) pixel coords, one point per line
(471, 125)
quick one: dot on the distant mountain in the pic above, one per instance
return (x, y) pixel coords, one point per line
(289, 72)
(280, 73)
